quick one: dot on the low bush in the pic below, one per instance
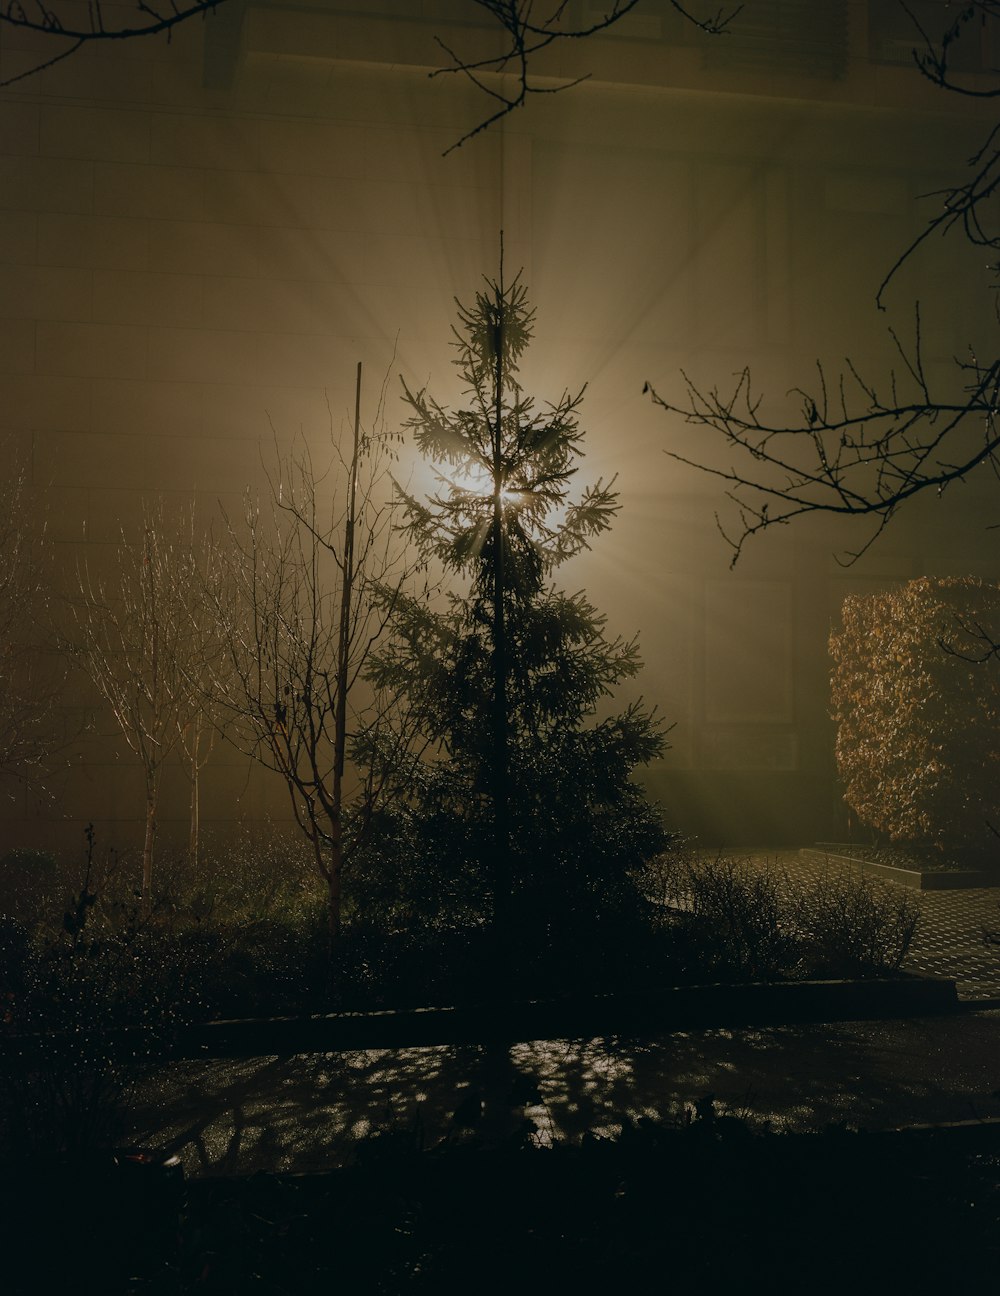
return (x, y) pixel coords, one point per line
(216, 949)
(419, 906)
(732, 920)
(84, 1014)
(704, 919)
(89, 1000)
(240, 933)
(259, 874)
(264, 968)
(414, 874)
(29, 886)
(854, 926)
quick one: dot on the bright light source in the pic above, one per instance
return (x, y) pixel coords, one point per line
(477, 481)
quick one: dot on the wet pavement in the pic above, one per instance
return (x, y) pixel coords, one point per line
(304, 1113)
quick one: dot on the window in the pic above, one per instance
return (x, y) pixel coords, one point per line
(797, 37)
(894, 34)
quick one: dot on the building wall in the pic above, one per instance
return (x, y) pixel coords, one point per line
(200, 240)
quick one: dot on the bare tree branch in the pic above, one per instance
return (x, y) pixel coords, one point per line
(525, 36)
(854, 452)
(966, 205)
(149, 20)
(934, 59)
(524, 33)
(859, 448)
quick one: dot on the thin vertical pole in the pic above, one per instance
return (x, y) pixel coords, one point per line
(501, 742)
(343, 676)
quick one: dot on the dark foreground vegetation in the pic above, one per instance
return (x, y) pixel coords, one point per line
(246, 936)
(704, 1206)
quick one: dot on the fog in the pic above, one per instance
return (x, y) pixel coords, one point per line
(202, 238)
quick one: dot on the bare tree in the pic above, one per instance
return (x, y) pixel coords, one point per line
(145, 639)
(864, 446)
(311, 585)
(198, 564)
(197, 740)
(29, 679)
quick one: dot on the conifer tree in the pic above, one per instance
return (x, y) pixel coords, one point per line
(507, 677)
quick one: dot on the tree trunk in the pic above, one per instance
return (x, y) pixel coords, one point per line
(333, 879)
(500, 741)
(500, 761)
(329, 865)
(146, 904)
(333, 887)
(333, 874)
(194, 774)
(195, 816)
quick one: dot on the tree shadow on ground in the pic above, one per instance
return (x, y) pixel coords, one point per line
(307, 1112)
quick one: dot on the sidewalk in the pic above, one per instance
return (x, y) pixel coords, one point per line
(304, 1113)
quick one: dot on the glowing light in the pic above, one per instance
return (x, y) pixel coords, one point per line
(476, 480)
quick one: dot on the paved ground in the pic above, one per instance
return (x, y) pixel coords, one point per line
(949, 941)
(304, 1113)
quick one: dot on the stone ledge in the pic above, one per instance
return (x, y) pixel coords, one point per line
(655, 1012)
(918, 879)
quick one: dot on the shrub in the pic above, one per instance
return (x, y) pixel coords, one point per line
(916, 698)
(416, 871)
(88, 1004)
(733, 920)
(260, 873)
(255, 969)
(84, 1015)
(855, 926)
(28, 885)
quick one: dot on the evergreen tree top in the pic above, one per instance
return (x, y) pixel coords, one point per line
(501, 453)
(499, 316)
